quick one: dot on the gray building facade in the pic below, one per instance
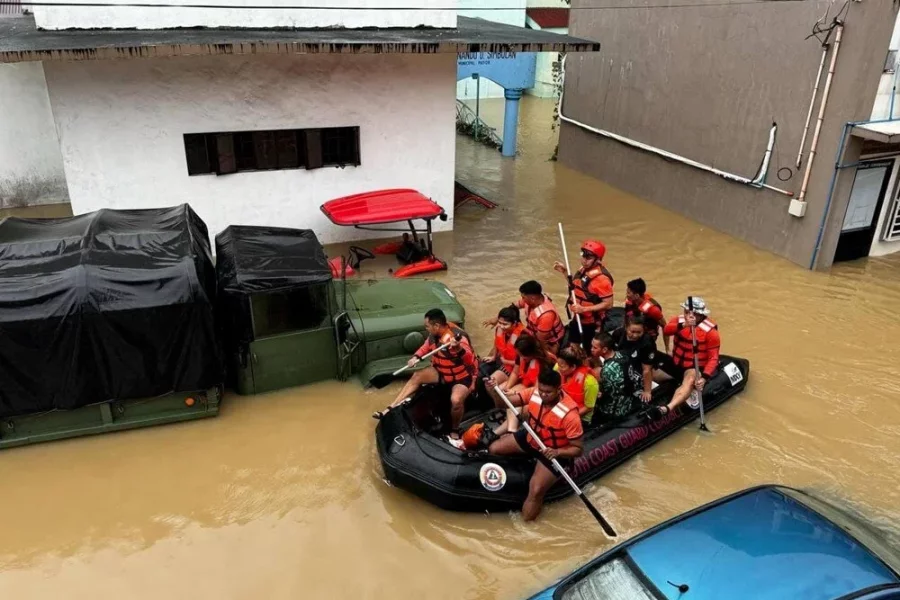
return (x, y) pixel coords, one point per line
(706, 82)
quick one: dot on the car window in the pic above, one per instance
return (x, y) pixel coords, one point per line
(613, 580)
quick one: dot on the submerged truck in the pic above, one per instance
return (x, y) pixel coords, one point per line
(287, 321)
(118, 319)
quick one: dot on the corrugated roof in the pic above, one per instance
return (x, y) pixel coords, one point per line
(21, 40)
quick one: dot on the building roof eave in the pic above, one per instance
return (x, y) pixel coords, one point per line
(21, 41)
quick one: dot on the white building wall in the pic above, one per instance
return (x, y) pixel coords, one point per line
(549, 3)
(509, 12)
(882, 108)
(121, 126)
(543, 70)
(31, 167)
(881, 247)
(408, 13)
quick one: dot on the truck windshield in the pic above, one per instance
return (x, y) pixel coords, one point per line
(614, 580)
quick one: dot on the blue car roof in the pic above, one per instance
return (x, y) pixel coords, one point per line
(763, 544)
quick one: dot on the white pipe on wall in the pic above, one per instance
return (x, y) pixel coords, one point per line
(658, 151)
(815, 141)
(812, 103)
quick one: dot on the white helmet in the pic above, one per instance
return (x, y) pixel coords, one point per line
(698, 303)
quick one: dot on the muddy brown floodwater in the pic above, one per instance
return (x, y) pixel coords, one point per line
(282, 495)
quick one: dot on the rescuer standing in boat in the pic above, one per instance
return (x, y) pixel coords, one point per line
(593, 288)
(553, 416)
(680, 366)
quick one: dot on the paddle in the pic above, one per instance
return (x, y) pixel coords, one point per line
(607, 528)
(696, 395)
(383, 379)
(562, 240)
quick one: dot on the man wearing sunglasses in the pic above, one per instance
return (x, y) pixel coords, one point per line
(593, 288)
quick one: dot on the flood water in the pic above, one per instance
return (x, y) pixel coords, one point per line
(282, 496)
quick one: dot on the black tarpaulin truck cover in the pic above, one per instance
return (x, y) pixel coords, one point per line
(251, 259)
(262, 260)
(110, 305)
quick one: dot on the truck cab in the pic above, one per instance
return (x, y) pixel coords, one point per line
(288, 322)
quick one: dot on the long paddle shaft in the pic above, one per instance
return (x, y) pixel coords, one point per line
(384, 379)
(400, 370)
(699, 394)
(562, 240)
(607, 528)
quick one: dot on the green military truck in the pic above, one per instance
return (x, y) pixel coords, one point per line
(107, 322)
(287, 321)
(119, 319)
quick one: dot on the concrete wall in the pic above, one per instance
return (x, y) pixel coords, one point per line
(121, 126)
(512, 13)
(91, 17)
(706, 82)
(31, 167)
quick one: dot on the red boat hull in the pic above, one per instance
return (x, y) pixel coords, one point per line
(423, 266)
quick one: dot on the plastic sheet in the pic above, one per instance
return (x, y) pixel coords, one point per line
(110, 305)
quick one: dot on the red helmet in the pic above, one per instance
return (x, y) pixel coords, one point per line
(595, 247)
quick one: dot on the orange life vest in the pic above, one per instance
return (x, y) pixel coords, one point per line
(573, 385)
(548, 424)
(451, 366)
(651, 324)
(581, 287)
(504, 343)
(683, 351)
(556, 330)
(529, 369)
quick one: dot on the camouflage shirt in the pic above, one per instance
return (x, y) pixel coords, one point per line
(616, 397)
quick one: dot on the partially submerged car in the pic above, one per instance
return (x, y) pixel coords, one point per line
(767, 542)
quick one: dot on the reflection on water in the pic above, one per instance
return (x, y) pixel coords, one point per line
(282, 495)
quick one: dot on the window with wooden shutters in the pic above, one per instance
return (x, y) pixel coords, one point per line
(243, 151)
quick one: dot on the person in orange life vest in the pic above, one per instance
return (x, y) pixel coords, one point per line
(639, 302)
(455, 366)
(532, 357)
(593, 287)
(553, 416)
(543, 319)
(501, 360)
(578, 380)
(680, 366)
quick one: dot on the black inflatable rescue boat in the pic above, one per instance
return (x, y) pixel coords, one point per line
(415, 458)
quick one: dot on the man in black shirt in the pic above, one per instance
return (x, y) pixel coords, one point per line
(640, 350)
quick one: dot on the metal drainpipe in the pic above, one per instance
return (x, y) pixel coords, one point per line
(837, 167)
(812, 103)
(821, 118)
